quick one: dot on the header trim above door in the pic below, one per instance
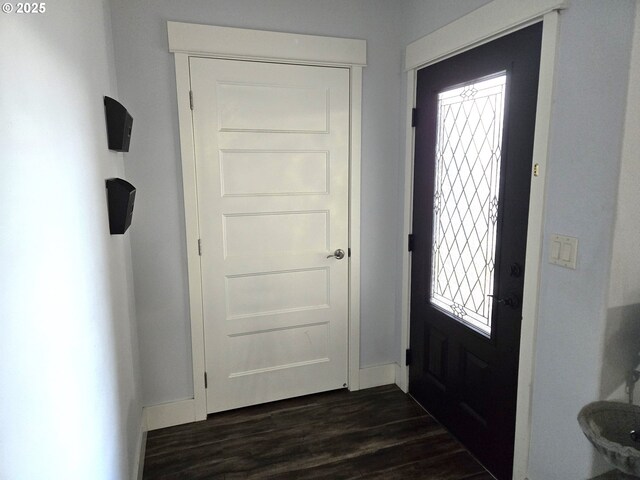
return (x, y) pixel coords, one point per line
(495, 19)
(240, 43)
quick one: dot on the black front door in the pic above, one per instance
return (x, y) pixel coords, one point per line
(473, 162)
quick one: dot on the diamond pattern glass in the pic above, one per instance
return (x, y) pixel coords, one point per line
(468, 145)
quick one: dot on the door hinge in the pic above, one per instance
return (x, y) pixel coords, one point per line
(191, 99)
(407, 357)
(199, 247)
(414, 117)
(206, 384)
(410, 242)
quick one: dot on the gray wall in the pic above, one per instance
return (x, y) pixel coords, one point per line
(584, 164)
(146, 82)
(622, 333)
(70, 405)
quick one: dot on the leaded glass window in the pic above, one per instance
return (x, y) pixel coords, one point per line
(467, 193)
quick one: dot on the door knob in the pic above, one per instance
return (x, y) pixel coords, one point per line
(511, 301)
(338, 254)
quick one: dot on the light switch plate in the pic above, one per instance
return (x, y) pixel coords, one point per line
(563, 251)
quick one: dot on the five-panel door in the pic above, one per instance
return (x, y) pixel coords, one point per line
(272, 160)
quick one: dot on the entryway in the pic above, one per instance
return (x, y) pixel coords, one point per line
(475, 118)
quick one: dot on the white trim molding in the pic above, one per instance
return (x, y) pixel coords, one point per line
(169, 414)
(493, 20)
(490, 21)
(188, 40)
(240, 43)
(402, 375)
(192, 229)
(378, 375)
(534, 259)
(138, 467)
(354, 227)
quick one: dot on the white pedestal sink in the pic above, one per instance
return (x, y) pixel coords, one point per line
(608, 426)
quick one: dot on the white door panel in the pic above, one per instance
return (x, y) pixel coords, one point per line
(301, 172)
(272, 161)
(275, 233)
(242, 107)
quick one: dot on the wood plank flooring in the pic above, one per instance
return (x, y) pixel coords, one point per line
(378, 433)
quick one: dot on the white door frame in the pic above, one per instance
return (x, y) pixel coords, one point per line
(493, 20)
(187, 40)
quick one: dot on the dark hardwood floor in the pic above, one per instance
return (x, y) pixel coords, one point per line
(378, 433)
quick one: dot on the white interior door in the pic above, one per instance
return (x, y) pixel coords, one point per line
(272, 161)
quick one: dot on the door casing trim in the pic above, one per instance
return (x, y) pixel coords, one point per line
(186, 40)
(487, 23)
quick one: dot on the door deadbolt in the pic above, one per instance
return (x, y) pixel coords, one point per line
(512, 300)
(338, 254)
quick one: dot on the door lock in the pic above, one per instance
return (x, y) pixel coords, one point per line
(338, 254)
(512, 300)
(515, 270)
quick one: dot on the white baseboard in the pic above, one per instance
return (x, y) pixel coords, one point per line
(376, 376)
(169, 414)
(138, 467)
(402, 378)
(177, 413)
